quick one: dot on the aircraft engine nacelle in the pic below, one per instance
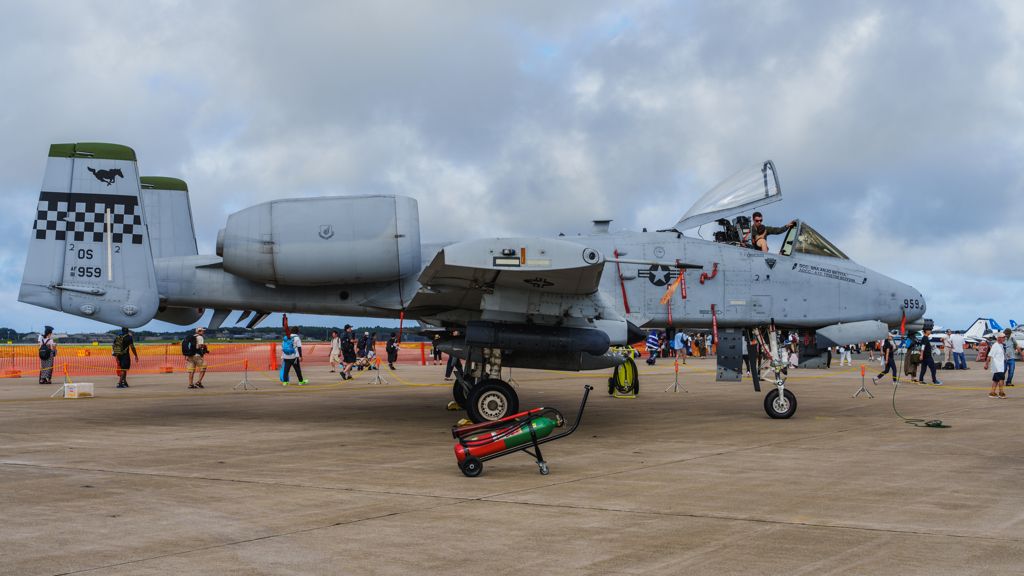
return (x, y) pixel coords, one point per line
(318, 241)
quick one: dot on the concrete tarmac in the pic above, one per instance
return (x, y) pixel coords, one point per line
(354, 478)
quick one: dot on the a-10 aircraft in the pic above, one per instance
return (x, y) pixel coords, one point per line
(118, 248)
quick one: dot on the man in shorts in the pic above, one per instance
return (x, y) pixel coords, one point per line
(348, 352)
(997, 360)
(196, 361)
(124, 344)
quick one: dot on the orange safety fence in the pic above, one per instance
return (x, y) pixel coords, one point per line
(153, 358)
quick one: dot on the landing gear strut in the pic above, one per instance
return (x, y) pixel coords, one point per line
(779, 403)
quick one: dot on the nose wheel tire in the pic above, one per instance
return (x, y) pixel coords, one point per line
(491, 400)
(777, 407)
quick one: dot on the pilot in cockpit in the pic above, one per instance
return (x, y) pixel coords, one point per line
(749, 239)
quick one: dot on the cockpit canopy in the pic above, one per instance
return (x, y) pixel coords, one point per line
(745, 190)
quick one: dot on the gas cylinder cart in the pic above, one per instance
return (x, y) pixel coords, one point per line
(489, 440)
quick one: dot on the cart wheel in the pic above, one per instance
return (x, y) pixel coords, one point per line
(636, 385)
(491, 400)
(471, 466)
(543, 467)
(780, 407)
(611, 385)
(459, 394)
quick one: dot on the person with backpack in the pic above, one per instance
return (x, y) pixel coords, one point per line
(194, 347)
(123, 344)
(291, 355)
(47, 352)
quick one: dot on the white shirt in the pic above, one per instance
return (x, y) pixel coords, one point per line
(957, 341)
(199, 340)
(997, 358)
(336, 346)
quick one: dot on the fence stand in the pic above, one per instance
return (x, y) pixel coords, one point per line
(510, 380)
(676, 386)
(377, 379)
(63, 386)
(245, 380)
(862, 388)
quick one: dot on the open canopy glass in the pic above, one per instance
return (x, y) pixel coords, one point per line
(802, 239)
(755, 185)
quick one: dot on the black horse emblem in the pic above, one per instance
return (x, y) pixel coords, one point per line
(107, 175)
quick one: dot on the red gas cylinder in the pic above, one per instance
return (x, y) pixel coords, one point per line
(509, 437)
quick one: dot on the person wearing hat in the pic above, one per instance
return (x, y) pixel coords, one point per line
(48, 348)
(124, 343)
(361, 344)
(1012, 355)
(392, 349)
(196, 361)
(996, 358)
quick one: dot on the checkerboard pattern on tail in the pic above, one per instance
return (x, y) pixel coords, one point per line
(82, 217)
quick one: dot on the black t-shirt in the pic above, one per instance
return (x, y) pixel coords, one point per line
(926, 347)
(887, 348)
(346, 343)
(126, 343)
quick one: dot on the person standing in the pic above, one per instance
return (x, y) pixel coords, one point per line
(889, 359)
(436, 352)
(958, 342)
(996, 358)
(926, 358)
(1012, 353)
(348, 352)
(291, 355)
(194, 348)
(871, 350)
(392, 349)
(652, 346)
(335, 350)
(681, 345)
(48, 349)
(912, 359)
(947, 348)
(371, 349)
(124, 343)
(844, 356)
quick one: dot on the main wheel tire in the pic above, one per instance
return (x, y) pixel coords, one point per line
(471, 466)
(491, 400)
(780, 408)
(459, 394)
(611, 385)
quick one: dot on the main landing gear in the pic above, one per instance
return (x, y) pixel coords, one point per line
(482, 393)
(779, 403)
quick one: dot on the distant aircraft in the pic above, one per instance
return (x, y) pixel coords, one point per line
(120, 249)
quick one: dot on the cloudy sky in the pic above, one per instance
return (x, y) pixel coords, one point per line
(897, 128)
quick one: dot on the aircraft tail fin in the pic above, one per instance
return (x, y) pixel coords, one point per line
(165, 202)
(89, 253)
(1013, 323)
(978, 329)
(994, 325)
